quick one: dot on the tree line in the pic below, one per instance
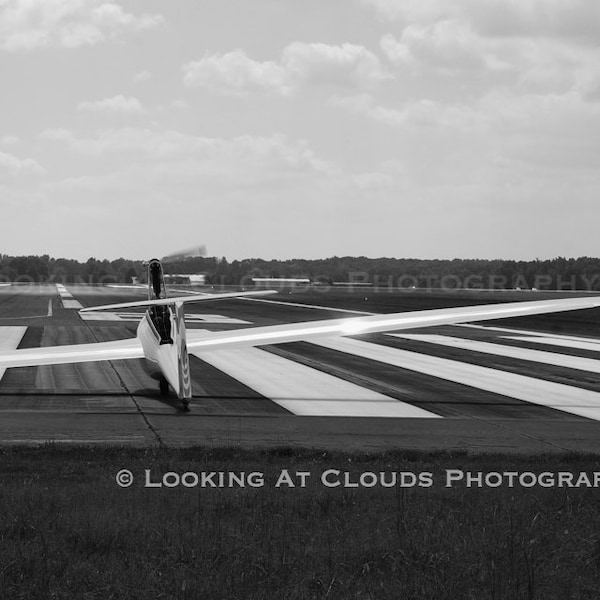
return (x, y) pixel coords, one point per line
(559, 273)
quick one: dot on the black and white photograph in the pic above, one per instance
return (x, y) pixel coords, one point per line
(299, 300)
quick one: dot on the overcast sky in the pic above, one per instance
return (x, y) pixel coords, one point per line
(280, 129)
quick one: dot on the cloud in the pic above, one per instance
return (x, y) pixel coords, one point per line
(179, 104)
(9, 140)
(263, 182)
(235, 73)
(416, 115)
(411, 11)
(301, 63)
(591, 89)
(347, 64)
(31, 24)
(274, 185)
(56, 133)
(573, 19)
(267, 157)
(453, 48)
(501, 113)
(142, 76)
(116, 104)
(12, 165)
(501, 140)
(449, 44)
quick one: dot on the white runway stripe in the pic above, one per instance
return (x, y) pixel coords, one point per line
(10, 338)
(527, 332)
(548, 358)
(556, 341)
(100, 316)
(306, 391)
(555, 395)
(67, 299)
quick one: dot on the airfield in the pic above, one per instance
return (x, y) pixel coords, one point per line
(526, 385)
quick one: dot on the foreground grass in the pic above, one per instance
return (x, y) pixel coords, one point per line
(67, 530)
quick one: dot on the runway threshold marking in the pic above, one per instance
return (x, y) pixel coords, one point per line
(579, 344)
(10, 338)
(562, 397)
(548, 358)
(303, 390)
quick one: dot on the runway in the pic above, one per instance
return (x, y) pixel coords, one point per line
(478, 388)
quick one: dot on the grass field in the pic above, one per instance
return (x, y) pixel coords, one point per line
(68, 530)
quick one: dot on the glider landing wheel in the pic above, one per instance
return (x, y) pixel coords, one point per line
(164, 387)
(186, 405)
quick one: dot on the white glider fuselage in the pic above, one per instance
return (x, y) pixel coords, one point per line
(161, 333)
(167, 360)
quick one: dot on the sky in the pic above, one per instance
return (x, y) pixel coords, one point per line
(285, 129)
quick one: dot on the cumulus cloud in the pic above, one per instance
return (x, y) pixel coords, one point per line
(252, 156)
(235, 73)
(410, 11)
(501, 139)
(499, 113)
(9, 140)
(301, 63)
(142, 76)
(573, 19)
(417, 115)
(349, 64)
(30, 24)
(56, 133)
(179, 104)
(461, 50)
(454, 47)
(16, 166)
(116, 104)
(449, 44)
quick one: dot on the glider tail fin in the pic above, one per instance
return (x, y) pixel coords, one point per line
(179, 339)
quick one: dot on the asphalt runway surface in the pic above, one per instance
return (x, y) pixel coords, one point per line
(521, 386)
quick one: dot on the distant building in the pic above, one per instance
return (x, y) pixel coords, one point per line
(281, 281)
(185, 278)
(353, 283)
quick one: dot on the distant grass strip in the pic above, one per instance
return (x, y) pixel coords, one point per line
(67, 530)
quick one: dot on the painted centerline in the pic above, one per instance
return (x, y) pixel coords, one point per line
(562, 397)
(67, 299)
(303, 390)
